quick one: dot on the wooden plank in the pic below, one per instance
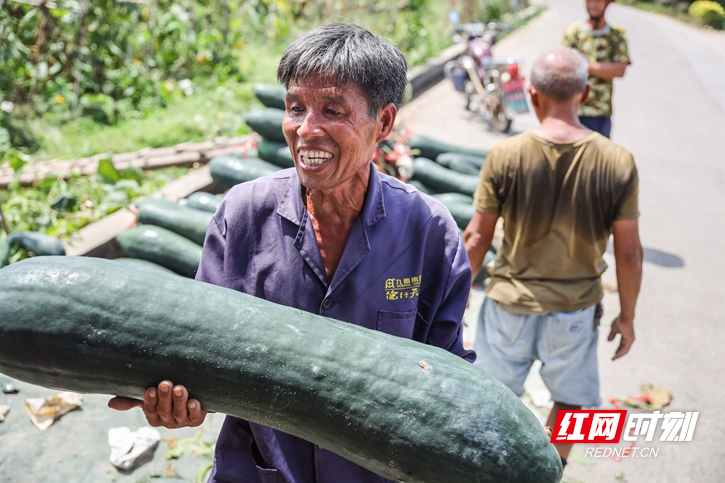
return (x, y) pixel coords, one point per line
(198, 180)
(171, 160)
(99, 238)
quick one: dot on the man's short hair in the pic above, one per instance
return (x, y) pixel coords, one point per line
(346, 52)
(560, 74)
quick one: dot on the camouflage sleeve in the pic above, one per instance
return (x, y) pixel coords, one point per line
(569, 38)
(620, 50)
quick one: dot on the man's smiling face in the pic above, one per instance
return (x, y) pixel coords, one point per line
(329, 131)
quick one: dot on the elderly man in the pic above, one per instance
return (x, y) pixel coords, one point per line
(605, 48)
(333, 237)
(561, 190)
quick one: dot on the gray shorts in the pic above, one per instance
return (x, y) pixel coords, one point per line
(565, 342)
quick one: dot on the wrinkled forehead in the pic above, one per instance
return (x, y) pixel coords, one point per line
(318, 80)
(328, 85)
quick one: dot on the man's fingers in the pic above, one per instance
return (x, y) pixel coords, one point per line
(150, 403)
(124, 403)
(166, 405)
(165, 402)
(614, 330)
(612, 335)
(150, 400)
(623, 349)
(196, 415)
(180, 411)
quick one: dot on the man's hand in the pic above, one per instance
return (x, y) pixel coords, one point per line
(168, 406)
(607, 70)
(625, 328)
(477, 239)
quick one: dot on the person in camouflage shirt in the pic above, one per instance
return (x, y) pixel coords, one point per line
(604, 46)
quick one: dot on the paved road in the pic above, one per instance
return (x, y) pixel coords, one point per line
(669, 112)
(75, 449)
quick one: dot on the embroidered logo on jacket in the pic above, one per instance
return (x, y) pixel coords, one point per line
(402, 288)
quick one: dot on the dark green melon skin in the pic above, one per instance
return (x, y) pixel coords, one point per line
(443, 180)
(420, 186)
(227, 171)
(267, 122)
(187, 222)
(447, 159)
(276, 153)
(4, 252)
(270, 95)
(144, 263)
(454, 198)
(431, 148)
(38, 243)
(204, 201)
(162, 247)
(98, 326)
(458, 162)
(481, 276)
(461, 212)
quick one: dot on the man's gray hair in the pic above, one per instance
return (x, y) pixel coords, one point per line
(345, 52)
(560, 74)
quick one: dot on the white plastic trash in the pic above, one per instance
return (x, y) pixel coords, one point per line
(129, 447)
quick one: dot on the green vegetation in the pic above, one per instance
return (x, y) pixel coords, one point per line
(108, 76)
(112, 76)
(700, 12)
(708, 13)
(217, 111)
(62, 207)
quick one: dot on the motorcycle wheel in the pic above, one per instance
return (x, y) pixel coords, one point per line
(469, 92)
(500, 120)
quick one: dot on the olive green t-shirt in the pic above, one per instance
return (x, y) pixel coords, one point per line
(558, 202)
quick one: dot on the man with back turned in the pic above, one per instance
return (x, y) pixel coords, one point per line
(561, 190)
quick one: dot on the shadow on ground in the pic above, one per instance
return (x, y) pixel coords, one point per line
(657, 257)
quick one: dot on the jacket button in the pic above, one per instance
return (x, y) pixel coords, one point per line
(326, 304)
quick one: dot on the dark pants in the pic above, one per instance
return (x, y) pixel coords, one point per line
(602, 125)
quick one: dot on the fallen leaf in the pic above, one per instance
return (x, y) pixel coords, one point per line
(610, 287)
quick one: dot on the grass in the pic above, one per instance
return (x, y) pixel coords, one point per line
(661, 9)
(200, 116)
(209, 112)
(62, 207)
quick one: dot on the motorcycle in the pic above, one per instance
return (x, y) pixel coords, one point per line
(490, 86)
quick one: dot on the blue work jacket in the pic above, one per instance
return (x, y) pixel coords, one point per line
(404, 271)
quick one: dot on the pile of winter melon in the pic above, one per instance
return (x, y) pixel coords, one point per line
(35, 244)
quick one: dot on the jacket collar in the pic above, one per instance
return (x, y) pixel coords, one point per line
(292, 208)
